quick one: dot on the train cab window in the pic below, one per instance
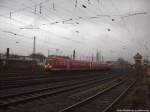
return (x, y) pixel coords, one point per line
(48, 61)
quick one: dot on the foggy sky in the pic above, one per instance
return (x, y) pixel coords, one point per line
(61, 27)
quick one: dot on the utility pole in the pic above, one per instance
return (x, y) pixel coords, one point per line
(76, 3)
(74, 54)
(10, 15)
(100, 56)
(35, 8)
(7, 56)
(40, 8)
(53, 6)
(48, 53)
(102, 59)
(97, 56)
(92, 57)
(34, 47)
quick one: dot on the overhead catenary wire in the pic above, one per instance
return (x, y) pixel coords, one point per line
(48, 20)
(27, 7)
(40, 29)
(23, 37)
(90, 17)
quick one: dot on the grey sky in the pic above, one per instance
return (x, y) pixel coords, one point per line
(57, 24)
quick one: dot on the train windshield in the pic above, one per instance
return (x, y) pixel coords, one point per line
(48, 62)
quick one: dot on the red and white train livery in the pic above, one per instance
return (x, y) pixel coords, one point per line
(57, 63)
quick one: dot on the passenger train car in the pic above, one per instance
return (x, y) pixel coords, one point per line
(57, 63)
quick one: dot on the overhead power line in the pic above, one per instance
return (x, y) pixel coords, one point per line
(27, 7)
(134, 14)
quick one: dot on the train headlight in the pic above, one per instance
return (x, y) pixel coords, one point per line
(45, 66)
(50, 66)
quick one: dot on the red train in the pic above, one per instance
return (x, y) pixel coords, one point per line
(57, 63)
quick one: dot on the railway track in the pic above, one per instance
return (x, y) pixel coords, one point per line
(102, 101)
(46, 85)
(23, 75)
(16, 83)
(12, 100)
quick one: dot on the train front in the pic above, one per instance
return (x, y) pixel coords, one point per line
(48, 65)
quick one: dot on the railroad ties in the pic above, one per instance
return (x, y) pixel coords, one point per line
(102, 101)
(95, 94)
